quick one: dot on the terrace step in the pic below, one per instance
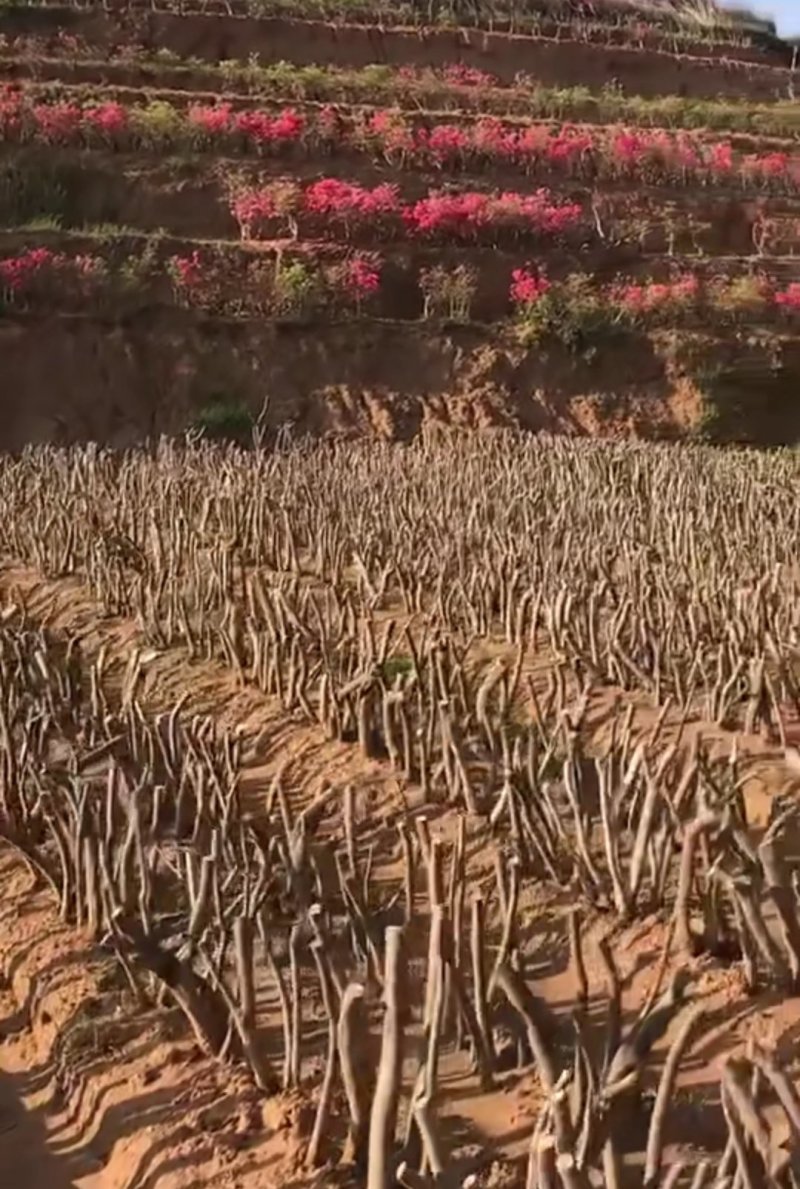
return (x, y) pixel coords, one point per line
(30, 59)
(188, 196)
(644, 72)
(137, 273)
(93, 89)
(620, 20)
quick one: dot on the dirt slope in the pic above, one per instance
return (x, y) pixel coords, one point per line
(121, 383)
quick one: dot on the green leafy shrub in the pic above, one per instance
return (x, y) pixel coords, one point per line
(225, 420)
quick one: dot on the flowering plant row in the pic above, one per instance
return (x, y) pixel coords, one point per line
(227, 282)
(35, 272)
(452, 86)
(275, 287)
(217, 282)
(577, 304)
(332, 206)
(578, 152)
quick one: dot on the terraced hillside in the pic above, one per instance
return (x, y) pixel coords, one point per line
(571, 217)
(413, 814)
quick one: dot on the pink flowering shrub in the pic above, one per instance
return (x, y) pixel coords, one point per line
(256, 209)
(19, 274)
(788, 299)
(210, 121)
(567, 149)
(11, 113)
(190, 279)
(527, 287)
(41, 276)
(445, 144)
(252, 209)
(358, 279)
(388, 133)
(348, 201)
(57, 123)
(263, 130)
(329, 203)
(632, 301)
(109, 120)
(186, 271)
(571, 311)
(575, 309)
(470, 214)
(457, 74)
(768, 167)
(720, 159)
(306, 281)
(492, 139)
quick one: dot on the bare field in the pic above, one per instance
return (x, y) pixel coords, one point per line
(420, 813)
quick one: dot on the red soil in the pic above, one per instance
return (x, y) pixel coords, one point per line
(96, 1093)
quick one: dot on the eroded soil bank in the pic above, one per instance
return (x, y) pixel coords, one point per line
(121, 382)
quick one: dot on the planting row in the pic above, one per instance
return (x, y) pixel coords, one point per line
(285, 286)
(525, 584)
(138, 833)
(576, 152)
(624, 17)
(100, 200)
(455, 86)
(550, 61)
(566, 23)
(334, 207)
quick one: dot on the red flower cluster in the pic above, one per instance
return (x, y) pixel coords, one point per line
(458, 74)
(110, 119)
(57, 123)
(211, 120)
(527, 288)
(454, 74)
(576, 150)
(260, 283)
(18, 272)
(579, 151)
(186, 271)
(347, 200)
(462, 216)
(288, 127)
(772, 165)
(258, 127)
(361, 277)
(652, 296)
(789, 298)
(207, 282)
(251, 208)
